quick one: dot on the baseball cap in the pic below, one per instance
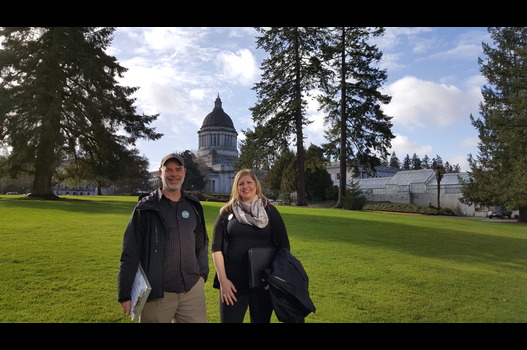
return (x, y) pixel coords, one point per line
(172, 156)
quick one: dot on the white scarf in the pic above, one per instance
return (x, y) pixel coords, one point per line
(251, 213)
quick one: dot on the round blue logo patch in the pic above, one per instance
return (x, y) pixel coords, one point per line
(185, 214)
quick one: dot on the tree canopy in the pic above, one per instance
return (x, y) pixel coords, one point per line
(335, 66)
(498, 174)
(59, 100)
(289, 73)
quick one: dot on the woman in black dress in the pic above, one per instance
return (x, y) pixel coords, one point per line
(248, 220)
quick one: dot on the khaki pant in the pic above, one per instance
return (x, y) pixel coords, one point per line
(186, 307)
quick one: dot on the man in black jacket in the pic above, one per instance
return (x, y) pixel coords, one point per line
(166, 234)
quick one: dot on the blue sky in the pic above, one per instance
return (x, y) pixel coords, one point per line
(433, 78)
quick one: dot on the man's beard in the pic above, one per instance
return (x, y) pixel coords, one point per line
(172, 187)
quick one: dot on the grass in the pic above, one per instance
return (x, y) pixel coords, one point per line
(59, 262)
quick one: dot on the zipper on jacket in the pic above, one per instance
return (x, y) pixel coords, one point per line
(157, 239)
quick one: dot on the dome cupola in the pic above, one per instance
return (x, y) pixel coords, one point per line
(217, 117)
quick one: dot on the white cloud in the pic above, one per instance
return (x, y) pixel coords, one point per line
(315, 130)
(159, 91)
(418, 104)
(475, 82)
(394, 35)
(170, 39)
(402, 146)
(390, 62)
(458, 159)
(197, 94)
(470, 142)
(239, 67)
(462, 51)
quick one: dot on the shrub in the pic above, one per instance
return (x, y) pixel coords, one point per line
(406, 208)
(354, 199)
(332, 193)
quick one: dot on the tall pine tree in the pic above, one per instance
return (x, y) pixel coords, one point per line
(360, 133)
(289, 73)
(59, 99)
(498, 175)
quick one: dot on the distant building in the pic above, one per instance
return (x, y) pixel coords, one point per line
(61, 189)
(381, 171)
(411, 186)
(420, 187)
(218, 150)
(86, 190)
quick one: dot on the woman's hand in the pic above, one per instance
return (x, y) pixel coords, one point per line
(228, 290)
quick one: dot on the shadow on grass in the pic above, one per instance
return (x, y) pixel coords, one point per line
(73, 205)
(419, 235)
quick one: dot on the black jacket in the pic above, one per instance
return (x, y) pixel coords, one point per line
(289, 287)
(144, 242)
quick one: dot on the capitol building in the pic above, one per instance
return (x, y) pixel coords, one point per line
(217, 150)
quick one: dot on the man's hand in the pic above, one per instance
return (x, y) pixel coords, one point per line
(126, 306)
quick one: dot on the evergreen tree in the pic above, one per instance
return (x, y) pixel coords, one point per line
(318, 180)
(498, 175)
(108, 162)
(359, 132)
(416, 162)
(448, 167)
(394, 161)
(407, 163)
(455, 168)
(260, 149)
(289, 73)
(121, 167)
(384, 159)
(273, 179)
(437, 162)
(288, 183)
(355, 199)
(59, 99)
(194, 179)
(134, 175)
(425, 162)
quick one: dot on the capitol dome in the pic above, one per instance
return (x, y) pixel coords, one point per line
(218, 149)
(217, 117)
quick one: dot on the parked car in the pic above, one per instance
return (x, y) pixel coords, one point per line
(500, 213)
(12, 193)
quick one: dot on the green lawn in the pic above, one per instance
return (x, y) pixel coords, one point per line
(59, 263)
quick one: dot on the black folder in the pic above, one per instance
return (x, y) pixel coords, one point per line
(260, 259)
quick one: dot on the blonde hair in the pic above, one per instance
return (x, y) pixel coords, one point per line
(235, 195)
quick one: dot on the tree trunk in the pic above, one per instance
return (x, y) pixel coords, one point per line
(42, 181)
(343, 126)
(439, 176)
(301, 153)
(45, 162)
(342, 180)
(438, 193)
(301, 160)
